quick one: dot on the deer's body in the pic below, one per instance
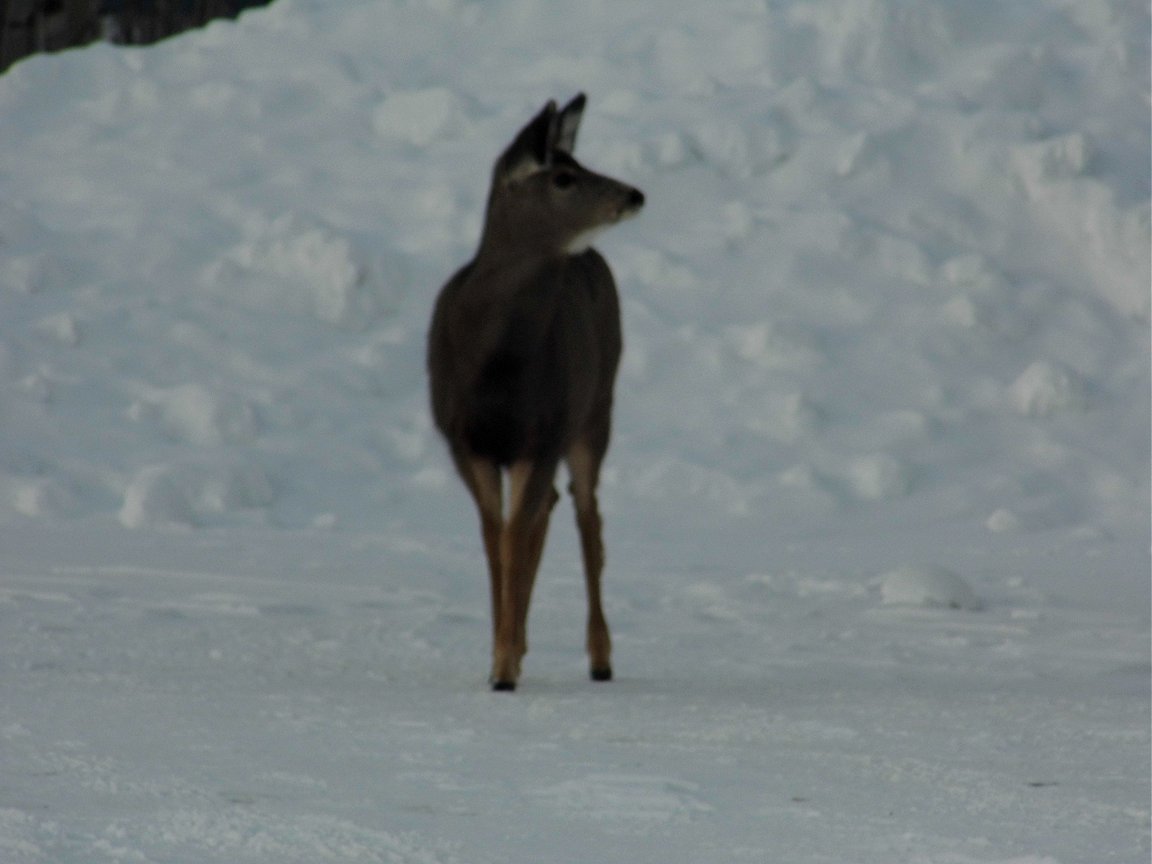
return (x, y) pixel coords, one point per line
(522, 373)
(522, 356)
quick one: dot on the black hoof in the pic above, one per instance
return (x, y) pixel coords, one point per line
(503, 686)
(604, 674)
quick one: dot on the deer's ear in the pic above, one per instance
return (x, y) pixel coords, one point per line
(568, 124)
(531, 149)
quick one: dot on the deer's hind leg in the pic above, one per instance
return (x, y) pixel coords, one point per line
(584, 466)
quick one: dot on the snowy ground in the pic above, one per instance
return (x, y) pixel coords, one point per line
(877, 505)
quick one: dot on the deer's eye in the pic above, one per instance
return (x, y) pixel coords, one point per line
(563, 179)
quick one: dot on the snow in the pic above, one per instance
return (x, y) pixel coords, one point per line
(928, 586)
(877, 506)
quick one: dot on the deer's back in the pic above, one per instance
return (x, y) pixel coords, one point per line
(523, 365)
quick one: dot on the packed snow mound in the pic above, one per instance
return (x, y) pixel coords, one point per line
(884, 249)
(928, 586)
(1044, 388)
(309, 270)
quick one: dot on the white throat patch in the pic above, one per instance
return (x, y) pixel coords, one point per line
(583, 242)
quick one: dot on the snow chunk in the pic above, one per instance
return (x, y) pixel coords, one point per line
(788, 418)
(194, 414)
(282, 263)
(973, 273)
(1044, 389)
(669, 150)
(930, 587)
(29, 274)
(743, 150)
(156, 497)
(871, 41)
(238, 487)
(1118, 239)
(43, 497)
(856, 154)
(662, 478)
(960, 311)
(190, 495)
(770, 347)
(1059, 158)
(1003, 521)
(417, 117)
(879, 477)
(626, 797)
(63, 328)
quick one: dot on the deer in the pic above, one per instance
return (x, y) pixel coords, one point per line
(523, 349)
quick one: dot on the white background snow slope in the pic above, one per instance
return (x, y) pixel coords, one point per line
(878, 500)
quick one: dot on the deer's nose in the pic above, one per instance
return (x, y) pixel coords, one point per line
(636, 199)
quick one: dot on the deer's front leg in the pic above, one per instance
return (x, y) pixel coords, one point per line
(508, 647)
(484, 482)
(521, 546)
